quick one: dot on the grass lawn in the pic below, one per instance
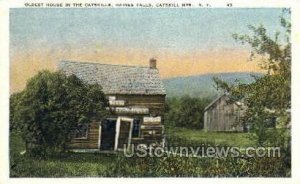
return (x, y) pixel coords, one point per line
(117, 165)
(70, 164)
(218, 138)
(73, 165)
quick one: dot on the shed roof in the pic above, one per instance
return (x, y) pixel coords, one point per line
(117, 79)
(213, 102)
(217, 99)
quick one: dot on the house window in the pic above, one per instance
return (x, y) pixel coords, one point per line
(136, 128)
(81, 131)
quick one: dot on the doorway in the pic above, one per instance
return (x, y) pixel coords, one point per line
(115, 133)
(108, 133)
(124, 134)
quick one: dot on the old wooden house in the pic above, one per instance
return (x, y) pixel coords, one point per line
(223, 115)
(136, 99)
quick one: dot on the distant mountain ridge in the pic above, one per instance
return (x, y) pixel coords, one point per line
(202, 86)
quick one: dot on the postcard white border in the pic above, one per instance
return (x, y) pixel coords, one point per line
(4, 95)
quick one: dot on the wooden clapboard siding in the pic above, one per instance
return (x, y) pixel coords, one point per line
(150, 132)
(223, 116)
(141, 98)
(155, 103)
(91, 142)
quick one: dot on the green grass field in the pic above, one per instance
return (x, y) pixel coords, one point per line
(217, 138)
(116, 165)
(70, 164)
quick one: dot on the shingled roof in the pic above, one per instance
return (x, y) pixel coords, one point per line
(117, 79)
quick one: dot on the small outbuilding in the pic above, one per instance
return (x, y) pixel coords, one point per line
(223, 115)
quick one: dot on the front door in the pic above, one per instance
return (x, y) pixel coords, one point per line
(124, 134)
(108, 133)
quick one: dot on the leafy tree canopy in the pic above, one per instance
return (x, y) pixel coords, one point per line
(51, 106)
(186, 112)
(269, 96)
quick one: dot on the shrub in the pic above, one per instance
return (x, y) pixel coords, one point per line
(50, 107)
(185, 112)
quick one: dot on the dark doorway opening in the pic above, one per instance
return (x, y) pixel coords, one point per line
(108, 132)
(136, 128)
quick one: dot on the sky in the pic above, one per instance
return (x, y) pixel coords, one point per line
(184, 41)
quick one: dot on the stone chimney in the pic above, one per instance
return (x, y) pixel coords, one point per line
(152, 63)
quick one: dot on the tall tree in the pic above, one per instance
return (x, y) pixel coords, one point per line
(269, 97)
